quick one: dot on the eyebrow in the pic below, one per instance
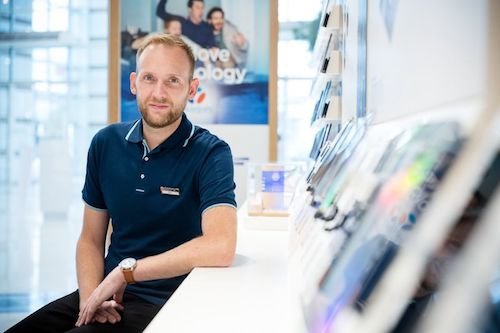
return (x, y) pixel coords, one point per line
(157, 75)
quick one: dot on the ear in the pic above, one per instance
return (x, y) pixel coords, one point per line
(193, 87)
(133, 87)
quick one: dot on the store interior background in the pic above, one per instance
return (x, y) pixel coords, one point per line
(53, 98)
(54, 93)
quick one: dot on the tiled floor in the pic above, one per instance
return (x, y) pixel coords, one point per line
(37, 246)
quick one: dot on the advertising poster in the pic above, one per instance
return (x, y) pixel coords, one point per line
(232, 63)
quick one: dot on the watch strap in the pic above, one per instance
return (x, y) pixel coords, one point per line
(129, 276)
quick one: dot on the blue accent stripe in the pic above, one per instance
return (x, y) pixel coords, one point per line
(218, 205)
(146, 148)
(94, 208)
(131, 130)
(190, 136)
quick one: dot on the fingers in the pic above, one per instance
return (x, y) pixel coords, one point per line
(87, 313)
(104, 316)
(80, 320)
(110, 310)
(116, 305)
(105, 313)
(101, 318)
(86, 316)
(112, 286)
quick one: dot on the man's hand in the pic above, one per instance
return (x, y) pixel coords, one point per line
(98, 307)
(107, 312)
(239, 39)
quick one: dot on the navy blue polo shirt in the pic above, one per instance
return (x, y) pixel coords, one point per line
(155, 198)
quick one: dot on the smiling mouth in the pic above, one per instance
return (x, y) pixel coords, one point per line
(159, 106)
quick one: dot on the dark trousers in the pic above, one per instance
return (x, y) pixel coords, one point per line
(62, 314)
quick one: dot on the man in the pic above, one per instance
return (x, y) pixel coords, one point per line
(167, 187)
(193, 26)
(173, 27)
(228, 37)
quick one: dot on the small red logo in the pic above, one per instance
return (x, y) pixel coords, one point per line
(199, 97)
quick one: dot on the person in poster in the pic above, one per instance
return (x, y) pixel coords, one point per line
(234, 76)
(227, 36)
(194, 27)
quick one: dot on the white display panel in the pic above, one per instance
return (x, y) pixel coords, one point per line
(424, 54)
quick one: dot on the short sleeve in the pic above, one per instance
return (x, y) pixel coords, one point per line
(216, 183)
(92, 193)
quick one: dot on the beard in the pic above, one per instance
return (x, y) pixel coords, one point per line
(161, 120)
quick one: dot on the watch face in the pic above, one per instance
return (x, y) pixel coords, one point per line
(128, 263)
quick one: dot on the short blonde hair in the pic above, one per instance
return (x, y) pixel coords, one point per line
(167, 40)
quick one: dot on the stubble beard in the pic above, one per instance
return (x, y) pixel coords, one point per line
(170, 117)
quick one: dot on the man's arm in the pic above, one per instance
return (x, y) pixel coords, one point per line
(236, 43)
(215, 248)
(162, 13)
(90, 251)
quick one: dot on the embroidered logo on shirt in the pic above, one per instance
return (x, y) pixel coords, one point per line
(170, 190)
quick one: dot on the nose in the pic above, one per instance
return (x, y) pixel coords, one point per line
(159, 91)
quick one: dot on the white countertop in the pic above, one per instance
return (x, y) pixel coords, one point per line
(250, 296)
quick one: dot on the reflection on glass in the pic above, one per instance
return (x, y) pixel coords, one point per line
(52, 101)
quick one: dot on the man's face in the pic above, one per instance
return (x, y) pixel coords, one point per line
(196, 11)
(217, 21)
(162, 84)
(174, 28)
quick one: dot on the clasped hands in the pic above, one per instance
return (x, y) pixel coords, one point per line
(105, 301)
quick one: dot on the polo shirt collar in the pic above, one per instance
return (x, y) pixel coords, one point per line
(180, 137)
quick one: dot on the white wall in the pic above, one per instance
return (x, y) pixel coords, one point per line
(437, 55)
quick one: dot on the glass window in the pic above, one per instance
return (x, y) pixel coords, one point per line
(298, 29)
(98, 81)
(99, 54)
(3, 138)
(22, 100)
(98, 103)
(5, 65)
(3, 103)
(297, 11)
(98, 24)
(53, 99)
(22, 66)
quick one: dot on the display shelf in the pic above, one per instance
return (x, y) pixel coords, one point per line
(371, 188)
(332, 64)
(482, 145)
(329, 104)
(327, 40)
(412, 154)
(333, 17)
(446, 316)
(331, 24)
(320, 82)
(322, 122)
